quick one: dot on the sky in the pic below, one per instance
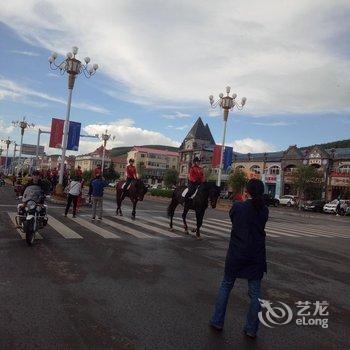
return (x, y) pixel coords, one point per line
(159, 61)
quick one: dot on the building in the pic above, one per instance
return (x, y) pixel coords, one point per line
(153, 163)
(199, 142)
(90, 161)
(276, 169)
(120, 163)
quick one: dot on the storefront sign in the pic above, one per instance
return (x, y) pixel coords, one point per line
(340, 181)
(315, 161)
(254, 176)
(270, 178)
(30, 150)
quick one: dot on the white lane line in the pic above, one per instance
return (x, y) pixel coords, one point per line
(314, 233)
(22, 234)
(204, 224)
(282, 233)
(287, 230)
(126, 229)
(62, 229)
(149, 227)
(97, 229)
(166, 225)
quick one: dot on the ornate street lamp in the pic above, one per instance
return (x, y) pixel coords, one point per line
(73, 67)
(23, 124)
(8, 143)
(105, 137)
(227, 103)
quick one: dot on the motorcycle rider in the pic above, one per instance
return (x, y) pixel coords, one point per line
(131, 175)
(195, 178)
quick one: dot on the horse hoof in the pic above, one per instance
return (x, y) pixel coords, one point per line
(187, 233)
(194, 230)
(133, 217)
(199, 238)
(171, 229)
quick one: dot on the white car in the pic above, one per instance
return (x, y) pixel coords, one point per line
(331, 207)
(288, 200)
(112, 184)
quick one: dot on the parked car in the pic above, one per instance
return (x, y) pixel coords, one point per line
(269, 200)
(112, 184)
(315, 205)
(331, 207)
(224, 194)
(288, 200)
(156, 187)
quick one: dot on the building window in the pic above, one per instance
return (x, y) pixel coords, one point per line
(240, 167)
(255, 169)
(345, 169)
(274, 170)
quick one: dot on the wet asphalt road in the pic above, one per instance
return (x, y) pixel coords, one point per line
(157, 292)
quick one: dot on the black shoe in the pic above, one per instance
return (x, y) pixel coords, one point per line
(216, 327)
(249, 334)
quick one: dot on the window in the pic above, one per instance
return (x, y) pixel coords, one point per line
(255, 169)
(344, 169)
(274, 170)
(240, 167)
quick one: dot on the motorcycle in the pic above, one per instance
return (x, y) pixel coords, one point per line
(31, 213)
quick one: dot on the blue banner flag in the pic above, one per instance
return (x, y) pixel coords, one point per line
(228, 157)
(73, 136)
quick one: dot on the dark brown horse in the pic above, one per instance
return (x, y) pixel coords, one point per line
(207, 191)
(136, 192)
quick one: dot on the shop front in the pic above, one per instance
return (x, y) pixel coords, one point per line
(272, 185)
(340, 185)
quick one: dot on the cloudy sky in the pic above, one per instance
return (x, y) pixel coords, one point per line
(160, 60)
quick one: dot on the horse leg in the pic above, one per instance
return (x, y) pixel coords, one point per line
(119, 204)
(184, 214)
(171, 210)
(199, 219)
(133, 213)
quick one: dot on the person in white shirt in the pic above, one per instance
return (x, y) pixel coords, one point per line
(74, 189)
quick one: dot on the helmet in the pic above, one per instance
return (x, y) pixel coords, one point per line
(196, 160)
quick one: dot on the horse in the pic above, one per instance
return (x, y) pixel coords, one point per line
(136, 192)
(206, 191)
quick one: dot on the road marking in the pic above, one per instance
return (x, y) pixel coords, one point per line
(62, 229)
(176, 227)
(22, 234)
(149, 227)
(128, 230)
(97, 229)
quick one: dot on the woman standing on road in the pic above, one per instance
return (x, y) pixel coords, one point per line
(246, 256)
(74, 189)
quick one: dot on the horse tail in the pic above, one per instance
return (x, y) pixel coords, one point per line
(172, 205)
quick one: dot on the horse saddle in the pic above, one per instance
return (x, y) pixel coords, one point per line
(186, 190)
(125, 184)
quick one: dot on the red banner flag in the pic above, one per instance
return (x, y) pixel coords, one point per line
(56, 137)
(216, 156)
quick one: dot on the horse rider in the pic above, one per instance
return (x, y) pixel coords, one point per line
(195, 178)
(131, 175)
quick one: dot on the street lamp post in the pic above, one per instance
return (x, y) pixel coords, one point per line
(105, 137)
(8, 143)
(72, 67)
(227, 103)
(23, 124)
(38, 145)
(14, 158)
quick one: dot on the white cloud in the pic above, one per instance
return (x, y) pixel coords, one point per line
(280, 123)
(5, 128)
(214, 113)
(182, 127)
(249, 145)
(176, 115)
(11, 89)
(127, 134)
(286, 57)
(25, 53)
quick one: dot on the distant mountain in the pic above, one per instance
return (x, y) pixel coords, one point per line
(117, 151)
(329, 145)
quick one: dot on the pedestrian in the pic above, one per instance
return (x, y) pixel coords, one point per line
(97, 187)
(73, 190)
(246, 256)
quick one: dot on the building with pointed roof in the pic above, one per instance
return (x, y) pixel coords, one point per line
(199, 142)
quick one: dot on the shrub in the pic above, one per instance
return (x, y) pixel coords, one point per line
(161, 192)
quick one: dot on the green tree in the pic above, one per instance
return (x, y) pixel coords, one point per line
(307, 181)
(87, 175)
(237, 181)
(171, 177)
(110, 173)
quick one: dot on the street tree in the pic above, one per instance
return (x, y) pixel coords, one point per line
(237, 181)
(171, 177)
(110, 173)
(306, 180)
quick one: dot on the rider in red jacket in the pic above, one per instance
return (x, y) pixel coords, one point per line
(195, 178)
(130, 174)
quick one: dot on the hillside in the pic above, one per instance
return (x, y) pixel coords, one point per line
(334, 144)
(117, 151)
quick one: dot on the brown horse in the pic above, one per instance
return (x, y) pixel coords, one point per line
(206, 191)
(136, 192)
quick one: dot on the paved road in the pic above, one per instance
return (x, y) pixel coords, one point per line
(135, 285)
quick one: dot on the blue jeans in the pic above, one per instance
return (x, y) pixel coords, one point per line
(252, 321)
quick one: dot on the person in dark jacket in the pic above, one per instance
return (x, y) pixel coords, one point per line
(246, 256)
(97, 187)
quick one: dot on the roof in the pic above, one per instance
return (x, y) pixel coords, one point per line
(156, 151)
(119, 159)
(270, 156)
(339, 153)
(199, 131)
